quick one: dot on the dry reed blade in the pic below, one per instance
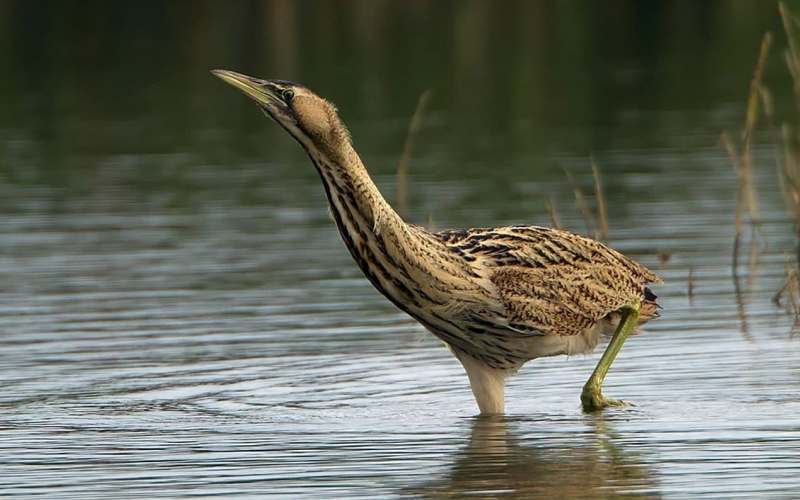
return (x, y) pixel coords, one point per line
(600, 200)
(754, 100)
(408, 148)
(789, 178)
(790, 167)
(792, 55)
(431, 224)
(777, 299)
(769, 114)
(733, 155)
(788, 296)
(742, 160)
(551, 211)
(580, 202)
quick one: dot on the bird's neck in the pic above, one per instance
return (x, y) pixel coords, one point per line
(357, 204)
(402, 261)
(412, 267)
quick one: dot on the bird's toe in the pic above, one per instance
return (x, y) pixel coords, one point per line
(593, 401)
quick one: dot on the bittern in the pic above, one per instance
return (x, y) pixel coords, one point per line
(497, 297)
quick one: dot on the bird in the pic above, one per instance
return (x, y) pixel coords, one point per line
(496, 297)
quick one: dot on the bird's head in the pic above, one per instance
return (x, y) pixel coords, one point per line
(310, 119)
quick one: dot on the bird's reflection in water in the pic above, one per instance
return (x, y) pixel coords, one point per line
(496, 463)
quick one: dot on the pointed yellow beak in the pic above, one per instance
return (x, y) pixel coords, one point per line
(258, 90)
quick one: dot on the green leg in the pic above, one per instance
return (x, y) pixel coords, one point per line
(592, 395)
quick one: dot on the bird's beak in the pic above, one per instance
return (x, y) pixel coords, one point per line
(262, 91)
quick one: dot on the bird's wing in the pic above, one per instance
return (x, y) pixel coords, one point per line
(551, 281)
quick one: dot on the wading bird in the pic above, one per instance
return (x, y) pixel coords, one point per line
(497, 297)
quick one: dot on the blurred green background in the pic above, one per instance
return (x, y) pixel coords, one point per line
(90, 85)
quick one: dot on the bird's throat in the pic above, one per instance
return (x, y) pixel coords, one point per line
(370, 228)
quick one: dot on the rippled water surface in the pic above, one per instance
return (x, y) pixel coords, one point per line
(178, 316)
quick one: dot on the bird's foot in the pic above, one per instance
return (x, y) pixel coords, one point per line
(593, 400)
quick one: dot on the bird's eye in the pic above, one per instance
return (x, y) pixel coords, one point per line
(288, 95)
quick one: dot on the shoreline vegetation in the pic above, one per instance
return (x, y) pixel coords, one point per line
(786, 138)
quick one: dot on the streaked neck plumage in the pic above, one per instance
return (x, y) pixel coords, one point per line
(352, 193)
(404, 262)
(368, 224)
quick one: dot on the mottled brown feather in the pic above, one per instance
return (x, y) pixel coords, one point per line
(553, 281)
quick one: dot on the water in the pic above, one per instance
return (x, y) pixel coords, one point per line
(180, 318)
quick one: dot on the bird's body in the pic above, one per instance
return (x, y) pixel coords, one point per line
(498, 297)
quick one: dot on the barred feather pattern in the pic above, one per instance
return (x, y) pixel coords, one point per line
(552, 281)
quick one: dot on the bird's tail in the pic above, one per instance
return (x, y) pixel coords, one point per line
(649, 308)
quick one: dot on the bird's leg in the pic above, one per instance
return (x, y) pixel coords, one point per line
(592, 395)
(487, 383)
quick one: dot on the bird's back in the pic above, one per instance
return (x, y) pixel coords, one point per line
(549, 282)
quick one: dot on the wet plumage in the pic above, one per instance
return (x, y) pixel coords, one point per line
(498, 297)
